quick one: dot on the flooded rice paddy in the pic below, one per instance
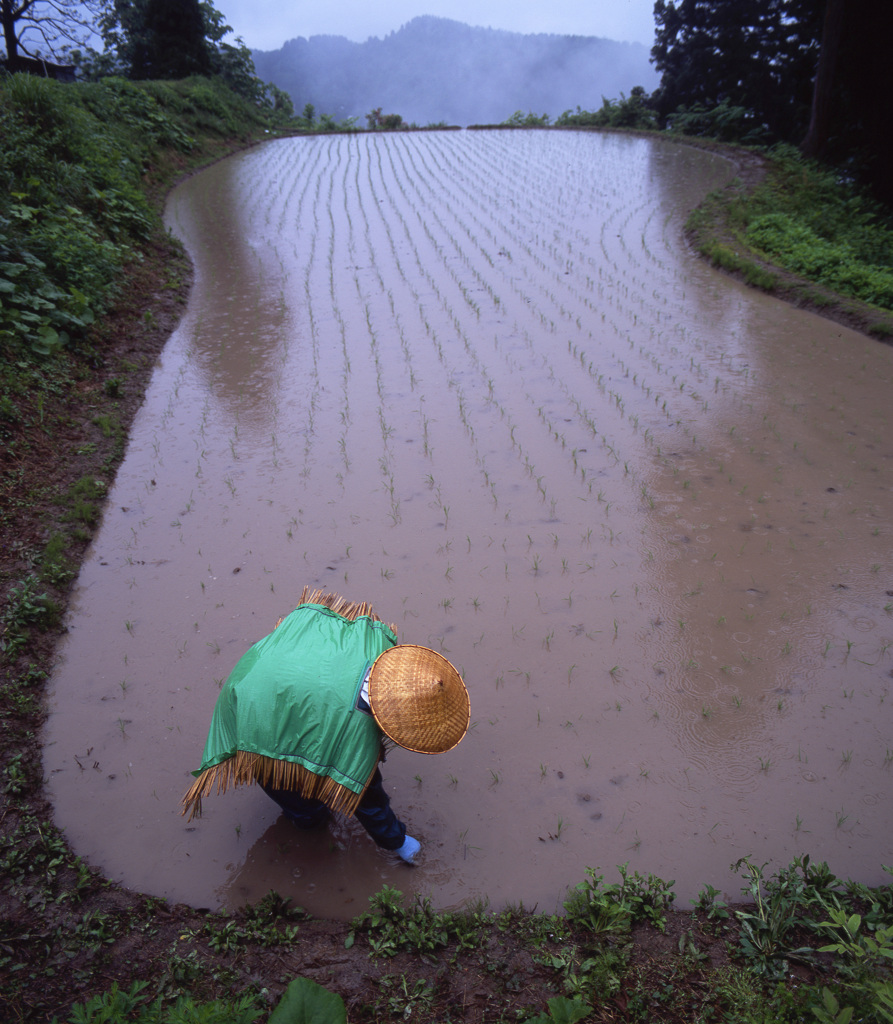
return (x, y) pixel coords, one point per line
(477, 379)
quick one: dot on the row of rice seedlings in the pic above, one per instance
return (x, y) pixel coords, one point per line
(514, 439)
(718, 382)
(635, 424)
(544, 318)
(340, 306)
(463, 401)
(464, 417)
(589, 283)
(519, 453)
(363, 300)
(351, 341)
(619, 401)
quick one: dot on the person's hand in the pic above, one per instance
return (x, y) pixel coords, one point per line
(409, 849)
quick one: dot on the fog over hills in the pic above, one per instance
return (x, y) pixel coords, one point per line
(433, 70)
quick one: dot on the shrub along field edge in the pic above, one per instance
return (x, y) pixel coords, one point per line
(75, 946)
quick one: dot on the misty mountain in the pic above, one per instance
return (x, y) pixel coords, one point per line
(434, 69)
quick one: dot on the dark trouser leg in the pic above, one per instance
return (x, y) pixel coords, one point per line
(377, 818)
(303, 812)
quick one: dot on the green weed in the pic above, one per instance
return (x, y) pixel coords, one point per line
(607, 909)
(780, 904)
(27, 606)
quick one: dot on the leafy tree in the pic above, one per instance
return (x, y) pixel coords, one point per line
(723, 122)
(529, 120)
(136, 34)
(232, 61)
(809, 72)
(38, 28)
(377, 120)
(171, 43)
(756, 54)
(278, 100)
(142, 38)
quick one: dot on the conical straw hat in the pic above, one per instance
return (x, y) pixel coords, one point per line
(419, 699)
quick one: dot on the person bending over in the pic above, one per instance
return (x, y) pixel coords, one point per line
(308, 712)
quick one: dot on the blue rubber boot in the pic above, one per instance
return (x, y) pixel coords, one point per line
(409, 849)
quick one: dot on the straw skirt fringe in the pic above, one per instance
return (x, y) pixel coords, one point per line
(244, 768)
(349, 610)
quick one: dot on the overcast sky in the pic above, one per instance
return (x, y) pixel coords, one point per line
(267, 24)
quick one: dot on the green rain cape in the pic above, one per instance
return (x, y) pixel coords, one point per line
(287, 715)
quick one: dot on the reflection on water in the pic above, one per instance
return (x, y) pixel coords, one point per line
(241, 325)
(478, 380)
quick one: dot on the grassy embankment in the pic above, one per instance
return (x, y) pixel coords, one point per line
(800, 235)
(90, 287)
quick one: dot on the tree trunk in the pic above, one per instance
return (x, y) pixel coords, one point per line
(823, 88)
(7, 16)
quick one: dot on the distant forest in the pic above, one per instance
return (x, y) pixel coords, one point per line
(435, 70)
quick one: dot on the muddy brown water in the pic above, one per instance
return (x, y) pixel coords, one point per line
(477, 379)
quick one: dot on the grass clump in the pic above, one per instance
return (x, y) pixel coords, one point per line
(624, 951)
(614, 908)
(303, 1002)
(27, 605)
(727, 258)
(120, 1004)
(84, 501)
(390, 927)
